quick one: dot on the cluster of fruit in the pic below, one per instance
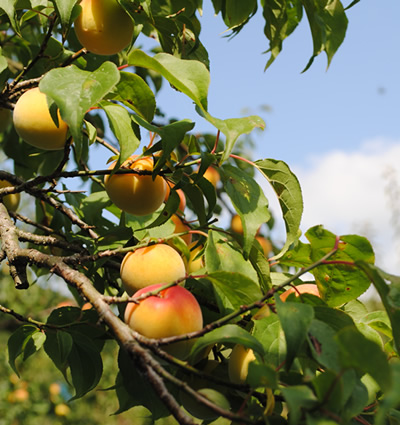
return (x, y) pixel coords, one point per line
(104, 29)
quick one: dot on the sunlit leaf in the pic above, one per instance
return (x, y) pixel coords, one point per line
(75, 91)
(249, 202)
(288, 191)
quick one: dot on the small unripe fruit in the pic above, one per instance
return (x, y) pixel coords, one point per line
(5, 119)
(174, 311)
(153, 264)
(133, 193)
(103, 27)
(34, 124)
(11, 201)
(305, 288)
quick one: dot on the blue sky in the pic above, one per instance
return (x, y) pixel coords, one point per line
(338, 129)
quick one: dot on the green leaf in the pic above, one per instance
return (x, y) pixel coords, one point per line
(237, 12)
(58, 346)
(228, 334)
(232, 128)
(64, 10)
(223, 255)
(336, 319)
(9, 7)
(392, 397)
(358, 352)
(85, 364)
(262, 375)
(123, 128)
(192, 79)
(26, 340)
(171, 136)
(389, 294)
(133, 389)
(328, 24)
(298, 397)
(75, 91)
(281, 19)
(233, 290)
(295, 319)
(249, 202)
(323, 347)
(269, 333)
(339, 280)
(134, 93)
(288, 190)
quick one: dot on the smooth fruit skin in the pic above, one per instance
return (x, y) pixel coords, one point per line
(103, 27)
(174, 311)
(212, 175)
(136, 194)
(33, 122)
(265, 245)
(236, 224)
(182, 197)
(150, 265)
(11, 201)
(305, 288)
(5, 119)
(181, 227)
(195, 262)
(238, 365)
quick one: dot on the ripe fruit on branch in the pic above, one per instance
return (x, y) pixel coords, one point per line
(265, 245)
(103, 27)
(5, 119)
(174, 311)
(212, 175)
(34, 124)
(305, 288)
(236, 224)
(153, 264)
(136, 194)
(195, 262)
(238, 365)
(181, 227)
(11, 201)
(181, 194)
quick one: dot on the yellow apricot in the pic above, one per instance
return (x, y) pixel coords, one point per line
(34, 124)
(5, 119)
(236, 224)
(181, 194)
(265, 245)
(195, 262)
(11, 201)
(238, 365)
(153, 264)
(136, 194)
(181, 227)
(304, 288)
(61, 409)
(103, 27)
(212, 175)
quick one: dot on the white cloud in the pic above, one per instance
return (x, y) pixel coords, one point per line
(356, 192)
